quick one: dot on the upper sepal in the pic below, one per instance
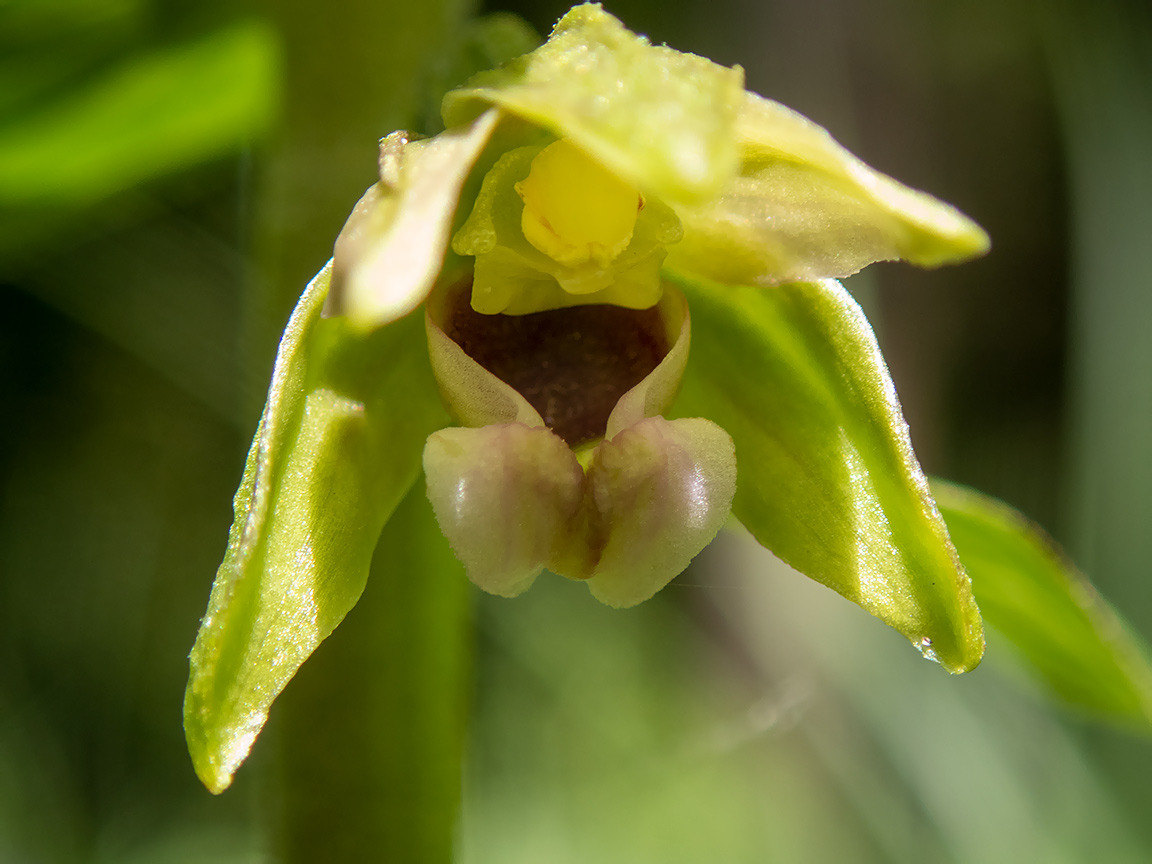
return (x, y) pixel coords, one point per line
(661, 119)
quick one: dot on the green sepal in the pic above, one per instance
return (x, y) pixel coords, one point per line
(663, 120)
(337, 448)
(1036, 599)
(827, 477)
(802, 207)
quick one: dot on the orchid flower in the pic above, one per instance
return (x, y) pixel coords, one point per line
(598, 314)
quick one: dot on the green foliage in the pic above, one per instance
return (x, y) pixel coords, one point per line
(151, 114)
(827, 477)
(1036, 600)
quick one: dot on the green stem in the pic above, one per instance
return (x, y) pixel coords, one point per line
(371, 731)
(353, 71)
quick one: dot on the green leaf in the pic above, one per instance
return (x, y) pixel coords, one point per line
(826, 474)
(802, 207)
(148, 116)
(337, 448)
(663, 120)
(1037, 600)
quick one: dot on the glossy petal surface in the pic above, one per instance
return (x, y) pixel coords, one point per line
(507, 497)
(337, 449)
(660, 119)
(828, 480)
(661, 489)
(802, 207)
(1036, 599)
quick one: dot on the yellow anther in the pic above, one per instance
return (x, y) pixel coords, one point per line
(575, 211)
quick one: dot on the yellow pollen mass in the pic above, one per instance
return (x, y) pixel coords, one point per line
(575, 211)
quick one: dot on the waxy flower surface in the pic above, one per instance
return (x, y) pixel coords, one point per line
(613, 273)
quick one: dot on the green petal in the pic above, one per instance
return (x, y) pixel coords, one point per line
(803, 207)
(1037, 600)
(661, 119)
(391, 249)
(337, 448)
(827, 477)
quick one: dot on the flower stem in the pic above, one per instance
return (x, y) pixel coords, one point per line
(371, 732)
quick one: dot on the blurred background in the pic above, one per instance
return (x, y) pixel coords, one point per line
(171, 175)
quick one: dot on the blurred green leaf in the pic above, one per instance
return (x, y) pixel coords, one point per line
(24, 22)
(826, 474)
(337, 449)
(1038, 601)
(151, 115)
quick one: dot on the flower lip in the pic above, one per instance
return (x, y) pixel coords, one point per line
(571, 365)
